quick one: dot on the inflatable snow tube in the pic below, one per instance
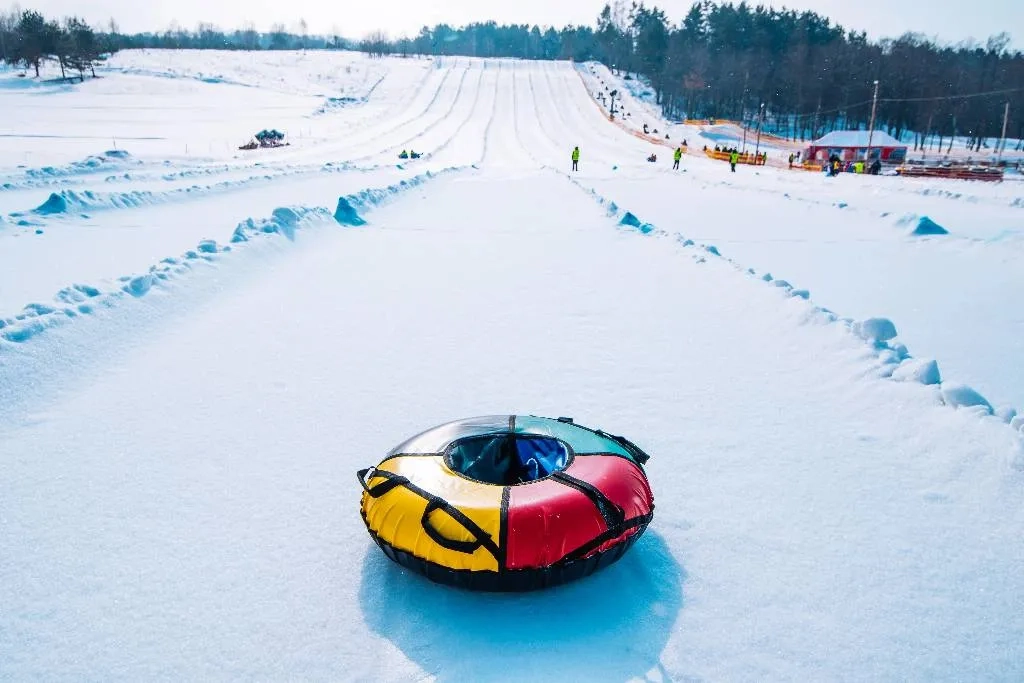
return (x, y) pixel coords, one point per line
(507, 502)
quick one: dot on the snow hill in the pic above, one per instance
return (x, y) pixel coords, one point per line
(199, 345)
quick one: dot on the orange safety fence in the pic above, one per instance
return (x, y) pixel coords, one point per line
(951, 172)
(745, 158)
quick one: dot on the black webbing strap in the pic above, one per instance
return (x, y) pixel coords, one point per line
(613, 515)
(634, 450)
(481, 537)
(434, 503)
(391, 481)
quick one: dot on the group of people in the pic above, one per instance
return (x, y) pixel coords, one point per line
(835, 166)
(734, 156)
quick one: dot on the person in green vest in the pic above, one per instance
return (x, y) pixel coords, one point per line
(576, 158)
(676, 156)
(734, 159)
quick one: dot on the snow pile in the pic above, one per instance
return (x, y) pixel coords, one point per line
(875, 330)
(630, 221)
(346, 214)
(920, 370)
(283, 221)
(921, 226)
(962, 396)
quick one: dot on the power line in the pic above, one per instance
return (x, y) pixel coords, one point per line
(848, 107)
(1004, 91)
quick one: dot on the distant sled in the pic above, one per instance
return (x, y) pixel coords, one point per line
(266, 139)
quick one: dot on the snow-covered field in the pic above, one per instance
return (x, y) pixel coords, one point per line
(199, 347)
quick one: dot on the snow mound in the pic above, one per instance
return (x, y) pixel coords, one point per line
(920, 370)
(1006, 413)
(69, 201)
(140, 285)
(875, 330)
(629, 220)
(283, 221)
(55, 204)
(962, 396)
(921, 226)
(346, 214)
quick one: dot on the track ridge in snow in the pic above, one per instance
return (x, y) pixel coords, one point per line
(69, 202)
(105, 162)
(894, 360)
(81, 299)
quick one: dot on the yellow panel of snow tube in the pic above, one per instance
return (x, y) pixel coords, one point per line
(400, 515)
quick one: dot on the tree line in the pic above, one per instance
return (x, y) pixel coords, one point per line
(794, 73)
(28, 39)
(727, 60)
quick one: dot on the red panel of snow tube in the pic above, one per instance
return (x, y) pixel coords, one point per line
(547, 520)
(623, 482)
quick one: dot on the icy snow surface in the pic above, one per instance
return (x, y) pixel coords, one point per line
(199, 349)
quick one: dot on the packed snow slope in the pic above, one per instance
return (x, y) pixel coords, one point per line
(198, 352)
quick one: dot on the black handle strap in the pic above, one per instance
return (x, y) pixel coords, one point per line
(391, 481)
(467, 547)
(613, 515)
(434, 503)
(635, 451)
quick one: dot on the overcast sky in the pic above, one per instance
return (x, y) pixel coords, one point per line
(949, 20)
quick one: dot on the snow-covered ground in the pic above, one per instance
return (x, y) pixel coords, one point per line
(198, 350)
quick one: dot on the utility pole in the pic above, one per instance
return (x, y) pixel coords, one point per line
(743, 111)
(871, 126)
(760, 120)
(1002, 139)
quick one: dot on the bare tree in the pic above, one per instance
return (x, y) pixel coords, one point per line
(376, 44)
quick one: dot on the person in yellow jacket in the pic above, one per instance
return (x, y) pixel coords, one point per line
(734, 159)
(575, 158)
(676, 156)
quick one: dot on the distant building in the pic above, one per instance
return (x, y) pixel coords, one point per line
(850, 145)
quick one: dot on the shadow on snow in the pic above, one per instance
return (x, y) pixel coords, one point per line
(610, 626)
